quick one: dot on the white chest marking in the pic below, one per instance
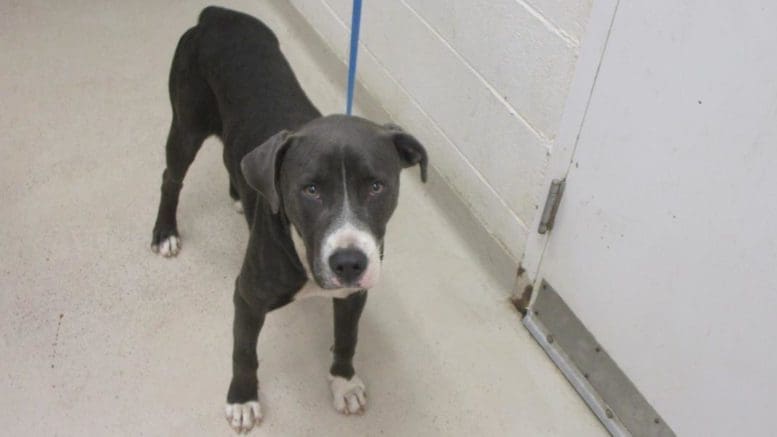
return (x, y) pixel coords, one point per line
(311, 289)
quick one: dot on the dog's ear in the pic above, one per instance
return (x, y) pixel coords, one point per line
(410, 151)
(260, 167)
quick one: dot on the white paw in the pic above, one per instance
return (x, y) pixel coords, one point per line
(238, 205)
(168, 247)
(349, 396)
(243, 417)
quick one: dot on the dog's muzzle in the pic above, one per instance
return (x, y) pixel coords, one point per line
(348, 265)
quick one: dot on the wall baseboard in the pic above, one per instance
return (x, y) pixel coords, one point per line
(610, 394)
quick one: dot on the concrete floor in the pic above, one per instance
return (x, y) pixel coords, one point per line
(101, 337)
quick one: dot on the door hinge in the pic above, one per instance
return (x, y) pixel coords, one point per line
(551, 205)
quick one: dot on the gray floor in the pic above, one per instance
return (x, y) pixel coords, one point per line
(101, 337)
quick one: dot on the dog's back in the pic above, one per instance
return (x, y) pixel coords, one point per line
(213, 14)
(228, 78)
(227, 35)
(239, 58)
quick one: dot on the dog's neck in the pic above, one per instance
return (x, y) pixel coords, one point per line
(271, 254)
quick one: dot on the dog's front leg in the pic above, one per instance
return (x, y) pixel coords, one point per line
(348, 391)
(243, 411)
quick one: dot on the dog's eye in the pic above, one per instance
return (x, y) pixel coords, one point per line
(376, 188)
(311, 191)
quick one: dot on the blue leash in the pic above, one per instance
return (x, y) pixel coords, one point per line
(356, 18)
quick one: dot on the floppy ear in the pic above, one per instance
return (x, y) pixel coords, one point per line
(260, 167)
(410, 151)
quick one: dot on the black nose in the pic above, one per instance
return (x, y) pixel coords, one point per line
(348, 264)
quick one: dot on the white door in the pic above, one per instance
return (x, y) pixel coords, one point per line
(665, 243)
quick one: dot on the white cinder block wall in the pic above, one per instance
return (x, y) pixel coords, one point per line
(482, 84)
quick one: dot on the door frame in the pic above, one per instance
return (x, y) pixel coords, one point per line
(592, 51)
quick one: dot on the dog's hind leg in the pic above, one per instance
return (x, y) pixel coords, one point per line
(182, 147)
(236, 202)
(195, 117)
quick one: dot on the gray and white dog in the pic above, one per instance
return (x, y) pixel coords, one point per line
(317, 191)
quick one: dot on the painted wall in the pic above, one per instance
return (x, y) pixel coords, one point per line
(481, 83)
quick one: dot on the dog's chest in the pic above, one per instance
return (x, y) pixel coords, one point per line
(311, 289)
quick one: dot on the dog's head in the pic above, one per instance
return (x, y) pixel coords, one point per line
(337, 181)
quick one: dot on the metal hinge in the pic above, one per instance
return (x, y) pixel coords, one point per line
(551, 205)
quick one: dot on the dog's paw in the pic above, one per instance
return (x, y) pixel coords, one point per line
(243, 417)
(238, 205)
(168, 246)
(165, 240)
(348, 396)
